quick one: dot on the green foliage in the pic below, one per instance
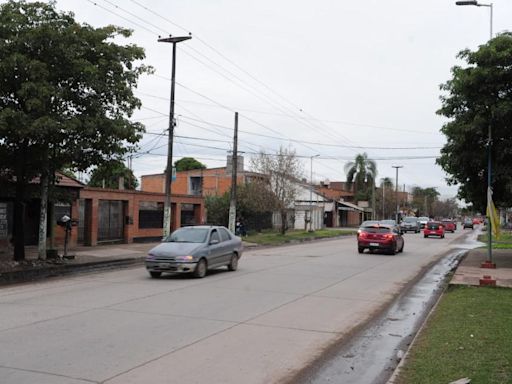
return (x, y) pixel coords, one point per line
(470, 329)
(478, 97)
(424, 200)
(188, 163)
(109, 173)
(217, 209)
(361, 173)
(66, 94)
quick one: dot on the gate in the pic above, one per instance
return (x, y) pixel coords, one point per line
(110, 220)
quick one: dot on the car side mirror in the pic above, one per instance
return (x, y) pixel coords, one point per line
(214, 241)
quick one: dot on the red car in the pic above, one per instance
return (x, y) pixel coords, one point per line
(380, 237)
(449, 226)
(434, 228)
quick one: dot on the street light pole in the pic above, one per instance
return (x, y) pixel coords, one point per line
(477, 4)
(168, 170)
(489, 136)
(396, 190)
(311, 194)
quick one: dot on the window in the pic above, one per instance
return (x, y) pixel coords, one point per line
(214, 236)
(195, 185)
(224, 235)
(151, 214)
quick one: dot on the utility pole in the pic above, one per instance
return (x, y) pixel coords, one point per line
(234, 166)
(311, 194)
(383, 201)
(168, 170)
(396, 191)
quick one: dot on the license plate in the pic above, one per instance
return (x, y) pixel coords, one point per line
(164, 265)
(374, 244)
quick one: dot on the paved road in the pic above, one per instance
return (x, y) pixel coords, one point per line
(261, 324)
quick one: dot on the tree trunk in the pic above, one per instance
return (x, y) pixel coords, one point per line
(284, 221)
(43, 216)
(19, 211)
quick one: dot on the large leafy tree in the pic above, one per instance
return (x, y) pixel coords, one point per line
(188, 163)
(109, 173)
(424, 199)
(479, 97)
(65, 97)
(361, 173)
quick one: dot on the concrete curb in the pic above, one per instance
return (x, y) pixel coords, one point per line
(40, 273)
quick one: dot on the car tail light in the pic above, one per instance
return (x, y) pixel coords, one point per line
(388, 236)
(362, 235)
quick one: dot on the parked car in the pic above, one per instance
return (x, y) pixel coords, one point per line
(434, 228)
(410, 223)
(449, 226)
(468, 223)
(380, 237)
(194, 250)
(423, 220)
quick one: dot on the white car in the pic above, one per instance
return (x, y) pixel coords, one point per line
(423, 220)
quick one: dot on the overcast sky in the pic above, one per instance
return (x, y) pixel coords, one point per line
(332, 78)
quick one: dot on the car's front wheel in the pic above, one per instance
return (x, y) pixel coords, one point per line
(233, 264)
(200, 270)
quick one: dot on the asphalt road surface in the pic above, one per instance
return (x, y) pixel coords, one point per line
(260, 324)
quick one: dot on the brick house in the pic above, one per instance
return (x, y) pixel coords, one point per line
(197, 182)
(101, 215)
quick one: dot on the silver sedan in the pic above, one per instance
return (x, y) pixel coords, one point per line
(195, 250)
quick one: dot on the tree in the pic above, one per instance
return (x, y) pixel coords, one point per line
(386, 198)
(423, 200)
(283, 170)
(188, 163)
(362, 173)
(478, 99)
(107, 175)
(65, 101)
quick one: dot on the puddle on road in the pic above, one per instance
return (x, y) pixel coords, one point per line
(375, 352)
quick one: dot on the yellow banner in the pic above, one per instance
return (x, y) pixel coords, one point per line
(492, 215)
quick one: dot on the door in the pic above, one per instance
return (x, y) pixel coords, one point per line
(110, 220)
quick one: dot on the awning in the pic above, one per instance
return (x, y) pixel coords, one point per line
(349, 207)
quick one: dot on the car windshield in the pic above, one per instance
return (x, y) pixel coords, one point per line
(410, 219)
(433, 225)
(423, 218)
(388, 222)
(188, 235)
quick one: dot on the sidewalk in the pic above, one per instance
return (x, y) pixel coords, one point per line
(85, 258)
(469, 271)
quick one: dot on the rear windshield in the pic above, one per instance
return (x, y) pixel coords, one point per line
(433, 226)
(377, 229)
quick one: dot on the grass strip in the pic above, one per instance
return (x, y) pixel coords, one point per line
(504, 242)
(275, 238)
(468, 335)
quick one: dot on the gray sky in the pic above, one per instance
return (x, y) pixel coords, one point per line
(341, 73)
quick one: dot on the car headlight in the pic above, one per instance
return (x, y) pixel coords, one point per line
(185, 258)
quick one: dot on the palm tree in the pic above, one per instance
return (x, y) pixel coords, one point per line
(362, 172)
(386, 184)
